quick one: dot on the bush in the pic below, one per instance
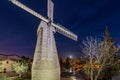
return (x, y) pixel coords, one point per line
(26, 75)
(3, 77)
(19, 78)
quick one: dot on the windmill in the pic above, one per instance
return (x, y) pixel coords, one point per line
(45, 63)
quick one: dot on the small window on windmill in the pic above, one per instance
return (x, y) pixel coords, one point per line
(7, 62)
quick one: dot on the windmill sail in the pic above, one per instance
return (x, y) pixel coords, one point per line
(59, 28)
(19, 4)
(50, 10)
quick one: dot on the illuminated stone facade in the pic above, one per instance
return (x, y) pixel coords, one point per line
(7, 65)
(7, 61)
(45, 62)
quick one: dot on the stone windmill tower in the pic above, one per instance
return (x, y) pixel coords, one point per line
(45, 63)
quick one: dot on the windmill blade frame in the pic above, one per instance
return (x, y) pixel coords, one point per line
(59, 28)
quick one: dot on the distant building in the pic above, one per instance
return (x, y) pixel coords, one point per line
(6, 65)
(7, 61)
(11, 57)
(2, 57)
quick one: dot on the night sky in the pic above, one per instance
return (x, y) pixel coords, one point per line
(83, 17)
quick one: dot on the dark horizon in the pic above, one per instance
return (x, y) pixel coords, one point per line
(83, 17)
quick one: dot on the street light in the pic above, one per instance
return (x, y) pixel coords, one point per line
(70, 71)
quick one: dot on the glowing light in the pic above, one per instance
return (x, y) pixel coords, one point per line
(70, 56)
(70, 71)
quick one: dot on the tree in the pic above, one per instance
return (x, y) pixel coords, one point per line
(98, 53)
(1, 66)
(110, 70)
(91, 52)
(115, 69)
(20, 67)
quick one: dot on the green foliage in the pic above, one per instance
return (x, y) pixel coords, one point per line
(3, 77)
(0, 66)
(20, 67)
